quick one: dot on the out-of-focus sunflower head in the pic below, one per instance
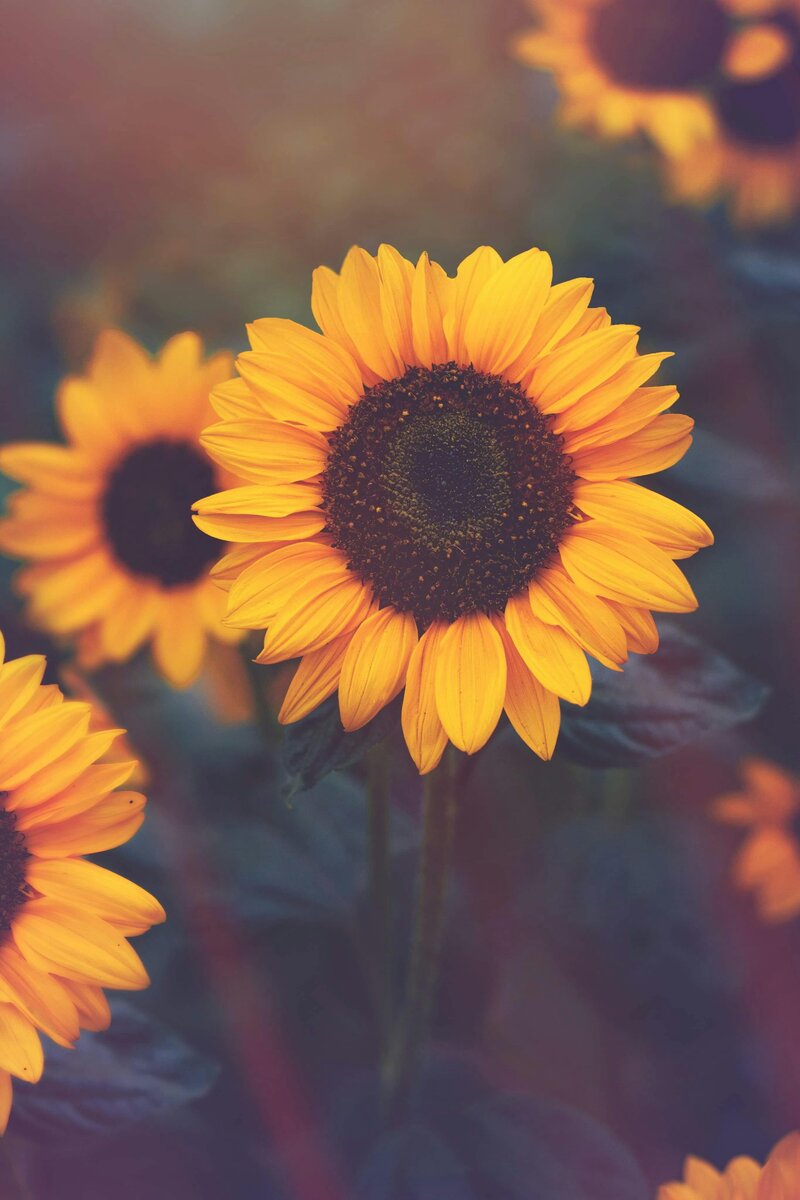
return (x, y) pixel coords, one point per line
(104, 521)
(64, 921)
(743, 1178)
(440, 496)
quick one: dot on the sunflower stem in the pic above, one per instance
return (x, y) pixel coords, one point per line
(380, 902)
(411, 1030)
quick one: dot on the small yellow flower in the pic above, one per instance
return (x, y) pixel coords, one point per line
(105, 519)
(440, 496)
(768, 862)
(743, 1178)
(64, 921)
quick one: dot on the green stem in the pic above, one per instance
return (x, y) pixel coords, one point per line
(410, 1035)
(380, 910)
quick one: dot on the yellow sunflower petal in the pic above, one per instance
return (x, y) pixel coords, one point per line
(130, 621)
(579, 366)
(226, 570)
(422, 727)
(632, 415)
(606, 399)
(235, 527)
(262, 589)
(234, 400)
(757, 52)
(359, 302)
(505, 312)
(19, 681)
(32, 743)
(473, 272)
(326, 309)
(83, 413)
(20, 1048)
(307, 379)
(108, 824)
(566, 305)
(429, 301)
(266, 451)
(179, 642)
(658, 446)
(556, 600)
(62, 773)
(316, 678)
(56, 470)
(84, 792)
(91, 1004)
(38, 996)
(397, 278)
(76, 592)
(375, 664)
(261, 500)
(534, 712)
(630, 506)
(84, 885)
(310, 620)
(548, 652)
(470, 681)
(622, 566)
(6, 1099)
(69, 942)
(640, 628)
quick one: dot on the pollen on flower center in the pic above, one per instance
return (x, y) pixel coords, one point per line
(447, 491)
(13, 857)
(764, 114)
(146, 509)
(659, 44)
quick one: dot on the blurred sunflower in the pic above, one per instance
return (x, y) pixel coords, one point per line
(64, 921)
(625, 66)
(754, 157)
(440, 496)
(105, 520)
(743, 1178)
(768, 863)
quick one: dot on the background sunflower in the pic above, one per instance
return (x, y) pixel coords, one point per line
(117, 563)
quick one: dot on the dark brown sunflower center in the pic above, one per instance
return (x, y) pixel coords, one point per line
(147, 512)
(654, 45)
(447, 491)
(764, 114)
(14, 890)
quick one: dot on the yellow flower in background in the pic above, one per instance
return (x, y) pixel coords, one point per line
(64, 921)
(754, 157)
(768, 862)
(743, 1178)
(625, 66)
(440, 496)
(105, 520)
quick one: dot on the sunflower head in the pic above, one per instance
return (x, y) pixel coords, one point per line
(64, 921)
(440, 496)
(104, 520)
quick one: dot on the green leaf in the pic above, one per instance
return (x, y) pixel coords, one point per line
(318, 744)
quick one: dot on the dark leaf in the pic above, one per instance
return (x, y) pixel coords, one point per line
(135, 1071)
(464, 1140)
(682, 693)
(318, 744)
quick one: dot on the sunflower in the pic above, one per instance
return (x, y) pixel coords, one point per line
(64, 921)
(768, 862)
(440, 496)
(743, 1178)
(754, 155)
(628, 66)
(105, 520)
